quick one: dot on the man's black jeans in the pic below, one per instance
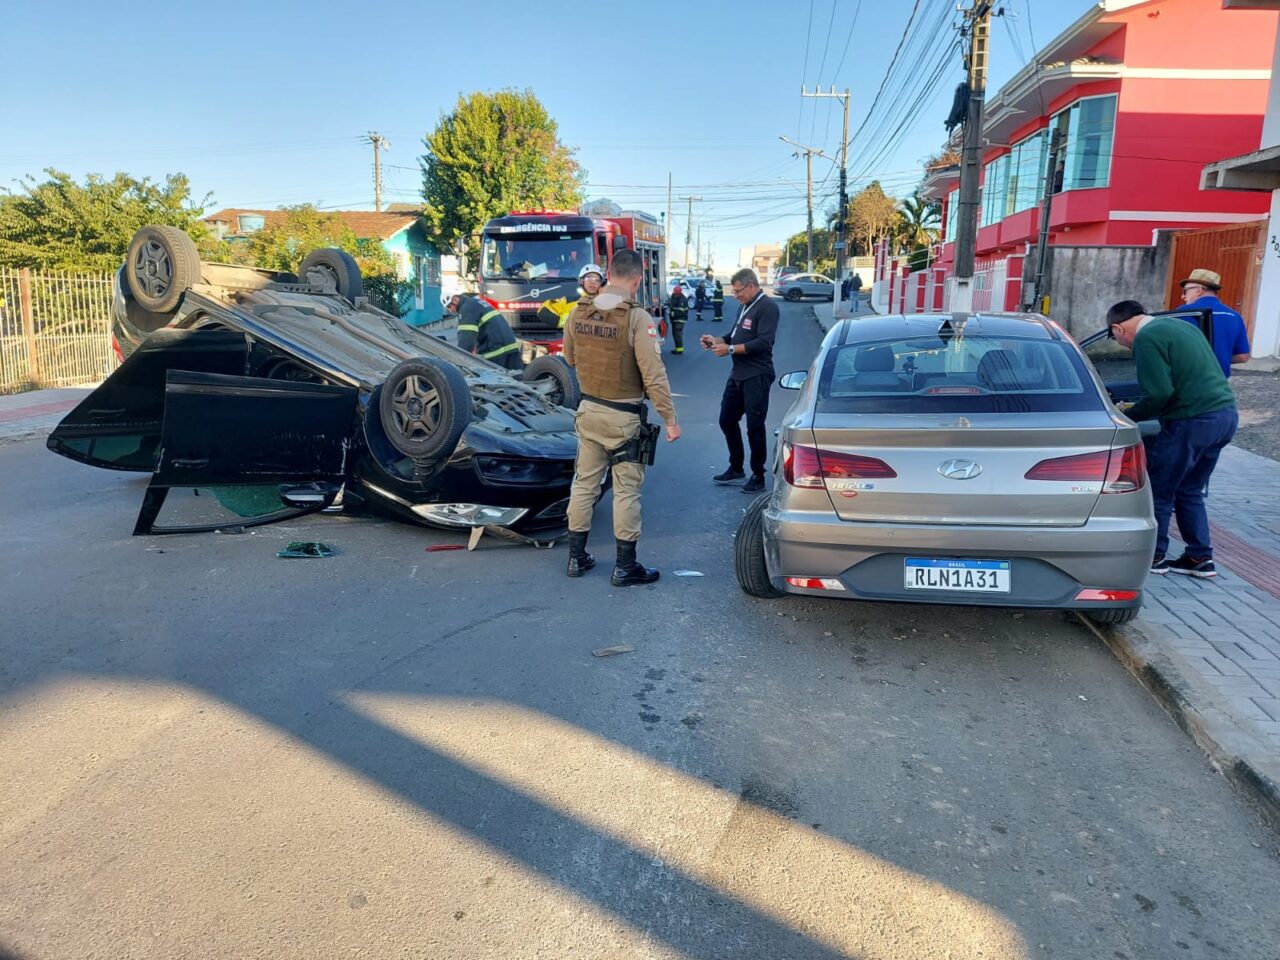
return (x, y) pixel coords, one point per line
(749, 396)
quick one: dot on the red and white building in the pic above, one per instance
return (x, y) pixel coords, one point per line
(1144, 93)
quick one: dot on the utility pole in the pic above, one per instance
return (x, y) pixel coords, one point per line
(667, 223)
(808, 168)
(379, 142)
(1046, 208)
(698, 255)
(688, 229)
(978, 23)
(840, 244)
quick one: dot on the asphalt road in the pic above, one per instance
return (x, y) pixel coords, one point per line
(209, 752)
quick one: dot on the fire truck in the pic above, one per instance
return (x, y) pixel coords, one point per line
(531, 258)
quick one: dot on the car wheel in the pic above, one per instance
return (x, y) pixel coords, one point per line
(559, 379)
(340, 266)
(793, 295)
(1112, 616)
(424, 406)
(748, 552)
(163, 264)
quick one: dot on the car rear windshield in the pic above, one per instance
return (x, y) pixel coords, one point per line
(957, 374)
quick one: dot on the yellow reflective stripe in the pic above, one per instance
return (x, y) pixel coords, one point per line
(489, 316)
(489, 355)
(468, 327)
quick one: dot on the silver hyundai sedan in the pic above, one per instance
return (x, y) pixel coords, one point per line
(956, 459)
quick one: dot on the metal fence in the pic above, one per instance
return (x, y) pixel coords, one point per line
(55, 329)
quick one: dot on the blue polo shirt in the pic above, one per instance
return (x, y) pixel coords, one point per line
(1229, 333)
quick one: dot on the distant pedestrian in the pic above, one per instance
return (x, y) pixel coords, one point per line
(699, 297)
(678, 304)
(845, 286)
(1183, 387)
(855, 290)
(750, 347)
(1230, 336)
(717, 302)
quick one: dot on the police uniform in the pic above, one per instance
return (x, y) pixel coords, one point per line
(612, 343)
(485, 332)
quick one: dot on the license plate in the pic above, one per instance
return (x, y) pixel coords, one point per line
(966, 576)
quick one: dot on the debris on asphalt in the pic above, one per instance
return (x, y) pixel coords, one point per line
(1082, 698)
(305, 550)
(612, 651)
(689, 573)
(437, 547)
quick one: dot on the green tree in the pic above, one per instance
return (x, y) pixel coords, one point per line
(63, 225)
(872, 214)
(917, 228)
(796, 248)
(493, 154)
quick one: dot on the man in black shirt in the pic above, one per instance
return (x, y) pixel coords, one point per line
(750, 347)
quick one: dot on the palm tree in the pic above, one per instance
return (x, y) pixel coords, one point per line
(919, 224)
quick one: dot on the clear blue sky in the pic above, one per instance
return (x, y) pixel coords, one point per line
(265, 104)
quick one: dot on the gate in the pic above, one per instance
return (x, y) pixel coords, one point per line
(1234, 252)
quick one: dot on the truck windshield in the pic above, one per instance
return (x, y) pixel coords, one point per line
(534, 258)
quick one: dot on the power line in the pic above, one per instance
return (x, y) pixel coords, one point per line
(876, 100)
(804, 72)
(818, 80)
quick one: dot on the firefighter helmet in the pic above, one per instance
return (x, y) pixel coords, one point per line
(591, 268)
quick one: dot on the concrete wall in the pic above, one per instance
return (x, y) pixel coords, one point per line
(1083, 282)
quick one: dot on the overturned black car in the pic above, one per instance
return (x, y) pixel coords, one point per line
(253, 396)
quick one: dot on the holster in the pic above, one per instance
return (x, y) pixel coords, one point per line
(643, 447)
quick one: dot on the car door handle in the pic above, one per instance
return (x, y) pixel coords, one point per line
(189, 464)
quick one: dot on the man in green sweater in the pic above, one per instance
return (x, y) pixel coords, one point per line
(1182, 387)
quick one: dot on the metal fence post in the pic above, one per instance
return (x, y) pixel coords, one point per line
(28, 325)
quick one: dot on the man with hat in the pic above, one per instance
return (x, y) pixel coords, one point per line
(1230, 337)
(484, 331)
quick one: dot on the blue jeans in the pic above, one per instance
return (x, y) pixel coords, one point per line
(1179, 461)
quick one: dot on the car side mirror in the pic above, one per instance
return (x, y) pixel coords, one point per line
(619, 243)
(793, 380)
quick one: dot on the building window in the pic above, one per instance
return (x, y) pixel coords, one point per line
(995, 190)
(1026, 173)
(1088, 127)
(952, 202)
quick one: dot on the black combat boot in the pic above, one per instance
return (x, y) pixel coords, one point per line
(627, 572)
(579, 560)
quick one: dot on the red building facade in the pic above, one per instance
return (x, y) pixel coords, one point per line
(1143, 93)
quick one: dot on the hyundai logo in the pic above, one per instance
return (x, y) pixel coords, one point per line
(960, 469)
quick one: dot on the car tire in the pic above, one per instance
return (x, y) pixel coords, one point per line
(748, 552)
(162, 265)
(1113, 617)
(567, 392)
(340, 265)
(424, 407)
(793, 295)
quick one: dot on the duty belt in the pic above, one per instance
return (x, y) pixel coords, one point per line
(639, 409)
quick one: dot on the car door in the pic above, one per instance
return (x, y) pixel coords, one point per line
(243, 451)
(1114, 362)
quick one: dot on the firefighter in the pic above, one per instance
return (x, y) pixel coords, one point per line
(679, 306)
(717, 301)
(591, 279)
(486, 332)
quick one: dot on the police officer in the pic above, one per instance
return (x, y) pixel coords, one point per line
(679, 306)
(717, 301)
(612, 343)
(486, 332)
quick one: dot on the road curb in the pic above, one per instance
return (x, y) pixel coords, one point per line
(1233, 752)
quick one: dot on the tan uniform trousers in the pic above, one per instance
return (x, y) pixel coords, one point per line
(601, 429)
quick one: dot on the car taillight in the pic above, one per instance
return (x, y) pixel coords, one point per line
(811, 468)
(115, 348)
(1119, 471)
(1106, 596)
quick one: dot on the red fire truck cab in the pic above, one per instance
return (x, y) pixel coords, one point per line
(530, 257)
